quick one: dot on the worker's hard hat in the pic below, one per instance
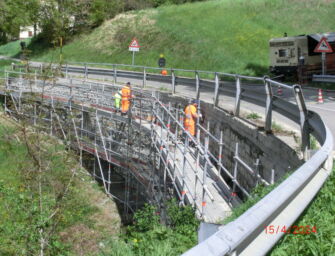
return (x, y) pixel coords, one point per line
(195, 102)
(161, 56)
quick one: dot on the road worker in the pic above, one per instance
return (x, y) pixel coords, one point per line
(126, 96)
(117, 100)
(191, 116)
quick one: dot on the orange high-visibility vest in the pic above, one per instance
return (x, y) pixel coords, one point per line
(189, 121)
(126, 96)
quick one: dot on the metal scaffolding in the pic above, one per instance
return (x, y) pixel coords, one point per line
(148, 146)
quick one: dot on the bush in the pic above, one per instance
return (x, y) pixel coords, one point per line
(148, 237)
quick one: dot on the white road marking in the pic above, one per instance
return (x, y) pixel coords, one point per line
(327, 109)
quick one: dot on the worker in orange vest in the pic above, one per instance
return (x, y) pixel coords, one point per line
(125, 98)
(191, 117)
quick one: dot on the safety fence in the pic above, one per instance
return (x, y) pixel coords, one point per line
(283, 205)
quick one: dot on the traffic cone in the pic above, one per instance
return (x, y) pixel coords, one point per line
(280, 91)
(320, 98)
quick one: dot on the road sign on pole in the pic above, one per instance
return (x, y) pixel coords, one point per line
(323, 47)
(134, 47)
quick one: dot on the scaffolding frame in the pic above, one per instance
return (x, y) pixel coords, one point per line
(149, 145)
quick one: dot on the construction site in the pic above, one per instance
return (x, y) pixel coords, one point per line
(146, 155)
(143, 156)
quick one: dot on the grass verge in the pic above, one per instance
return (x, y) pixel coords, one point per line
(220, 35)
(53, 201)
(50, 204)
(319, 214)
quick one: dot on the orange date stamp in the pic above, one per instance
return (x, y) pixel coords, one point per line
(296, 230)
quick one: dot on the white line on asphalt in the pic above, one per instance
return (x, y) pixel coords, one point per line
(332, 110)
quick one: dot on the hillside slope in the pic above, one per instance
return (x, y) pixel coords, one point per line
(225, 35)
(45, 195)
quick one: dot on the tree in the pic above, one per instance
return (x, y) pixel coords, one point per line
(14, 14)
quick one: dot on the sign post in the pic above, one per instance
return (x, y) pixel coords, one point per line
(323, 47)
(323, 59)
(134, 47)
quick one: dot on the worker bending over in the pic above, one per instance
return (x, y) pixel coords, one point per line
(191, 117)
(126, 97)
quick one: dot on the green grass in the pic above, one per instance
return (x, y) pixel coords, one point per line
(4, 64)
(82, 225)
(226, 35)
(147, 236)
(257, 194)
(20, 216)
(320, 213)
(12, 49)
(253, 116)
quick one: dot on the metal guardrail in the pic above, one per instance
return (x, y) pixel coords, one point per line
(283, 205)
(324, 78)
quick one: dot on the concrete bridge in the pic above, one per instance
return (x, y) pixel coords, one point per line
(149, 143)
(150, 146)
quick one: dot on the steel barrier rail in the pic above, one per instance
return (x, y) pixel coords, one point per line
(324, 78)
(245, 235)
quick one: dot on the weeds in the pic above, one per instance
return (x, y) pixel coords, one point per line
(313, 143)
(148, 237)
(320, 213)
(253, 116)
(277, 128)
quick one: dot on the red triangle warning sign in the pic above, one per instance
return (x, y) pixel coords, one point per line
(323, 46)
(134, 44)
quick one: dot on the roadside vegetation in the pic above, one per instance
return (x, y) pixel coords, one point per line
(147, 236)
(3, 65)
(319, 214)
(48, 203)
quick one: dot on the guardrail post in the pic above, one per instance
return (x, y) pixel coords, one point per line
(144, 77)
(268, 108)
(66, 70)
(304, 126)
(173, 81)
(86, 71)
(114, 74)
(197, 85)
(238, 96)
(216, 92)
